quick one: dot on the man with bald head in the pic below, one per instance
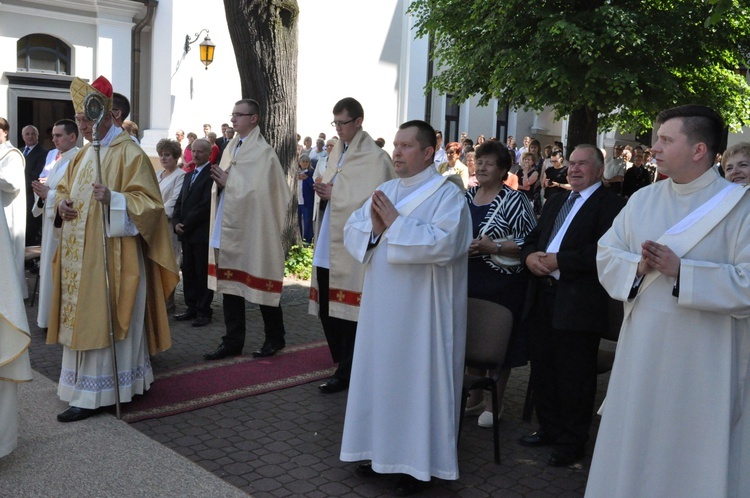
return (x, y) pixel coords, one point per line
(568, 306)
(36, 156)
(191, 219)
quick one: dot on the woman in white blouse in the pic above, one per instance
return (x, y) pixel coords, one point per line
(170, 184)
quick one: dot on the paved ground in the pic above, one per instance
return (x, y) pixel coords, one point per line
(286, 443)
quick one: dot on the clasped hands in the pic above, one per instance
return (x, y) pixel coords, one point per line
(542, 263)
(323, 189)
(39, 188)
(659, 257)
(382, 212)
(482, 245)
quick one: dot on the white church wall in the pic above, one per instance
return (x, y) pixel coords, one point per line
(350, 48)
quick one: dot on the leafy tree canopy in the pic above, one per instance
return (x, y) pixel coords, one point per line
(620, 60)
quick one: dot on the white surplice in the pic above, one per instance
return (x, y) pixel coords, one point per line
(677, 416)
(13, 197)
(50, 234)
(14, 342)
(405, 389)
(86, 377)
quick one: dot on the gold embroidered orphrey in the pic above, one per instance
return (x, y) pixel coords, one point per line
(73, 238)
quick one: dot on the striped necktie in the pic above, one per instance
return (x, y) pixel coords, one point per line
(26, 151)
(564, 211)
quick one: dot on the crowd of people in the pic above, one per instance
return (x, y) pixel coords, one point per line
(556, 241)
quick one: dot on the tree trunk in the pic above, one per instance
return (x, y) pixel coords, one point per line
(582, 128)
(264, 35)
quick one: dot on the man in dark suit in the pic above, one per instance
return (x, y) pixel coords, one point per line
(568, 306)
(36, 157)
(222, 141)
(191, 220)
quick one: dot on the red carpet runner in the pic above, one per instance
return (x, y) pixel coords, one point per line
(206, 384)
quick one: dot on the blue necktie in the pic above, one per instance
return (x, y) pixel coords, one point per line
(564, 211)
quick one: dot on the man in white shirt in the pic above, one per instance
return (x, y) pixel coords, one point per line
(568, 307)
(440, 155)
(614, 170)
(318, 152)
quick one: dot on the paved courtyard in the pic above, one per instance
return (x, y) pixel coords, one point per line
(286, 443)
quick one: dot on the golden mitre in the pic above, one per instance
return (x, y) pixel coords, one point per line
(79, 90)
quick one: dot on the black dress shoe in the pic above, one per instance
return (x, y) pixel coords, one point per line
(268, 349)
(407, 486)
(365, 470)
(223, 351)
(188, 315)
(563, 459)
(74, 414)
(333, 385)
(201, 321)
(536, 439)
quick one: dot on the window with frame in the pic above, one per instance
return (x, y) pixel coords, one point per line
(41, 53)
(452, 113)
(501, 125)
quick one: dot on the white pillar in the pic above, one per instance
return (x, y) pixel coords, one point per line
(159, 87)
(113, 53)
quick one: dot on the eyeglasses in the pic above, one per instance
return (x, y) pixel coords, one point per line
(240, 114)
(337, 124)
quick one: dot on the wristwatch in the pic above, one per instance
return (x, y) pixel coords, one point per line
(499, 247)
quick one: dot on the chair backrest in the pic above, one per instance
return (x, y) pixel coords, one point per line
(488, 330)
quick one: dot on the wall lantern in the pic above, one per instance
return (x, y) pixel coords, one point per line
(206, 47)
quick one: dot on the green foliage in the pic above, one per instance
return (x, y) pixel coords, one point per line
(299, 263)
(624, 59)
(720, 7)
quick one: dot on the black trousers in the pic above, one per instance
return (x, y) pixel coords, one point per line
(340, 333)
(563, 375)
(234, 320)
(198, 296)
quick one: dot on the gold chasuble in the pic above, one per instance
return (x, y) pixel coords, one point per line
(78, 317)
(250, 262)
(364, 168)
